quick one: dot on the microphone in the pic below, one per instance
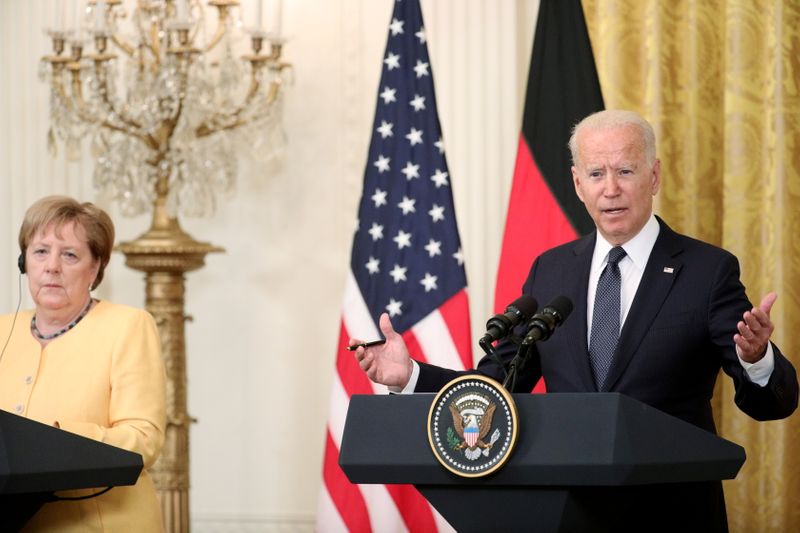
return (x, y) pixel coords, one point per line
(542, 325)
(500, 326)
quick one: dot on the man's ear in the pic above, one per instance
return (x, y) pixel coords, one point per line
(576, 181)
(655, 183)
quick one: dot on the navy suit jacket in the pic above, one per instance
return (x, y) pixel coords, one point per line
(677, 335)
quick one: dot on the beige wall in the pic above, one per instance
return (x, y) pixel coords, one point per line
(266, 313)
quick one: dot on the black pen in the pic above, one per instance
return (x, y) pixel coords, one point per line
(366, 344)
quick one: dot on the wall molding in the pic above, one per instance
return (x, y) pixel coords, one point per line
(252, 523)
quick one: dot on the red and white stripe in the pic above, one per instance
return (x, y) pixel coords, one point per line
(442, 338)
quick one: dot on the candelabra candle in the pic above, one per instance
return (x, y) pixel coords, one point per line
(182, 11)
(99, 17)
(58, 44)
(278, 18)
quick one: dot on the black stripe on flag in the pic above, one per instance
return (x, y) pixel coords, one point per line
(563, 87)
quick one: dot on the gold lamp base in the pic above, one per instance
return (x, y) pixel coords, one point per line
(165, 252)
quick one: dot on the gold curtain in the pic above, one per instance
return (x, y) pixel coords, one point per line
(719, 80)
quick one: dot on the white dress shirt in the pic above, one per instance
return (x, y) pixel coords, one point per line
(637, 252)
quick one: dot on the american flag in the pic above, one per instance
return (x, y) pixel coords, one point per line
(406, 261)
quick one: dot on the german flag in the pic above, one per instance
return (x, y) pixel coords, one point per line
(563, 87)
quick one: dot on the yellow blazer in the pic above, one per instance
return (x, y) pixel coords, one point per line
(105, 380)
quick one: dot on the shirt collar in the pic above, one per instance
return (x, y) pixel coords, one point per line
(637, 249)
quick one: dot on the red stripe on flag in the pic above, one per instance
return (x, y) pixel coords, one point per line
(413, 507)
(346, 497)
(540, 387)
(534, 223)
(455, 313)
(354, 380)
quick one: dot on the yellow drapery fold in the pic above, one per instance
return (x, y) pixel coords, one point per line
(718, 79)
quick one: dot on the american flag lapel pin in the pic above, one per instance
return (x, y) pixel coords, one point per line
(669, 270)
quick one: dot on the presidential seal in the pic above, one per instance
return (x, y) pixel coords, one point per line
(472, 426)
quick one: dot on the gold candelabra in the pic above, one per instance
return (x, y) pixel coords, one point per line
(167, 144)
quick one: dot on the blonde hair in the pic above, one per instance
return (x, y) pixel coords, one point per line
(60, 210)
(615, 118)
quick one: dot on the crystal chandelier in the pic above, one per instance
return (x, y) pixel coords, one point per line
(167, 115)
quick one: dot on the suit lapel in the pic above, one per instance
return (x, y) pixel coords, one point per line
(659, 275)
(576, 282)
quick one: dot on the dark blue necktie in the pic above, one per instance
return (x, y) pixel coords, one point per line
(605, 320)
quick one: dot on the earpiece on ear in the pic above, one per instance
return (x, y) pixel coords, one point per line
(21, 263)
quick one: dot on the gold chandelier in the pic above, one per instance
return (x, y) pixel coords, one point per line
(166, 118)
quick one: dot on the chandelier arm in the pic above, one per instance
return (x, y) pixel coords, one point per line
(272, 97)
(206, 131)
(195, 31)
(103, 93)
(274, 89)
(57, 86)
(222, 18)
(78, 106)
(148, 40)
(163, 133)
(233, 120)
(147, 140)
(122, 44)
(59, 91)
(153, 44)
(215, 40)
(150, 43)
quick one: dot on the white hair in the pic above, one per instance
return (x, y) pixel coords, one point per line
(615, 118)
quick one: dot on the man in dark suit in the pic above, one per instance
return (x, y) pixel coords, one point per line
(657, 314)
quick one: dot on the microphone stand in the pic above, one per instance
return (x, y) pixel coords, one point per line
(510, 370)
(540, 328)
(489, 350)
(520, 357)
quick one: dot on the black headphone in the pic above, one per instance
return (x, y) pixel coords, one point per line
(21, 265)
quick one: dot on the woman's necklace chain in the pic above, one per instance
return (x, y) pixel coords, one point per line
(39, 335)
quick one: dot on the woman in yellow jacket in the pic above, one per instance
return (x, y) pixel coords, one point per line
(86, 366)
